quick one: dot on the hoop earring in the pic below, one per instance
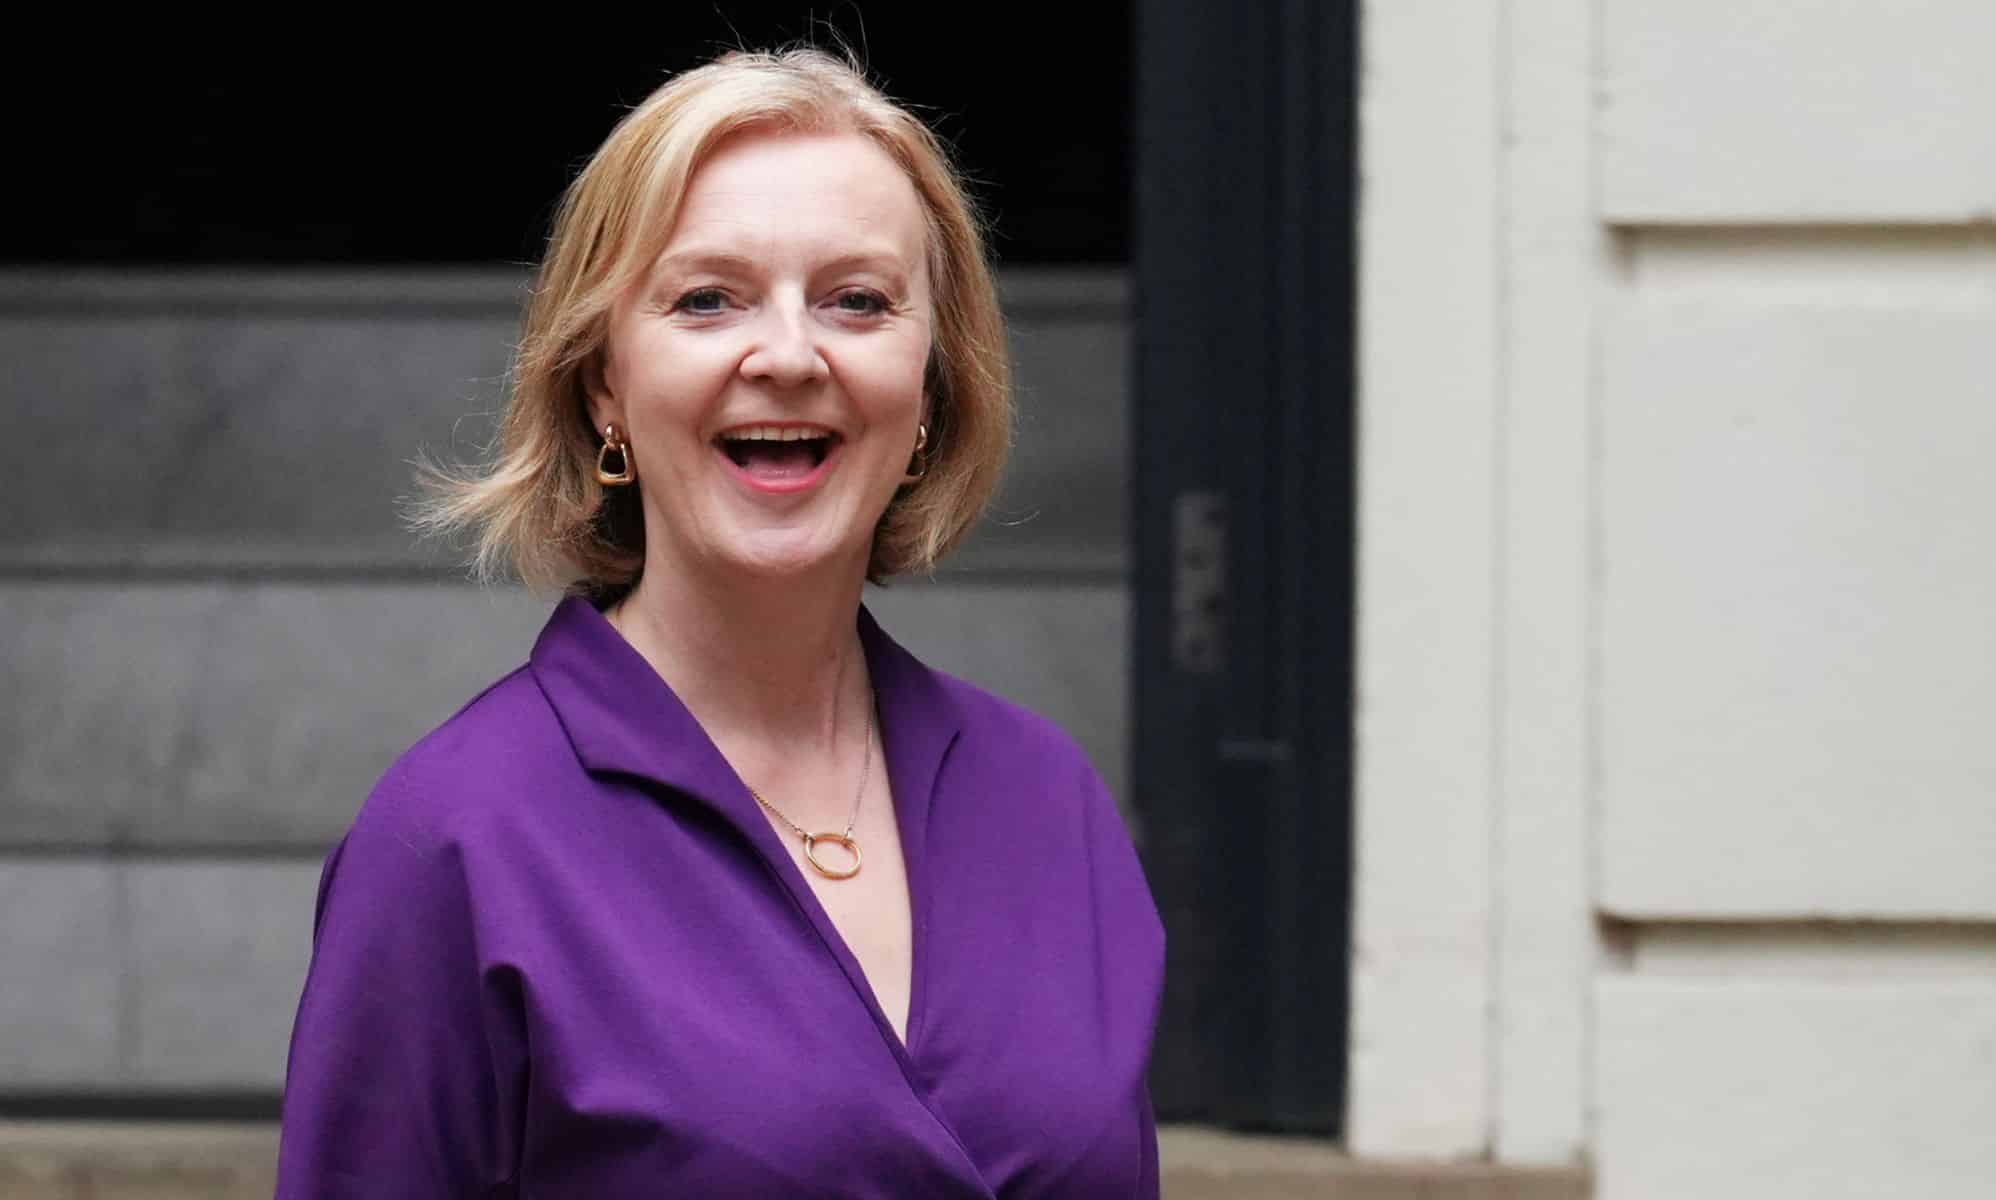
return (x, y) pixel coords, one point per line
(918, 462)
(622, 449)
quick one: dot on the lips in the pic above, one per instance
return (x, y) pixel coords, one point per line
(778, 457)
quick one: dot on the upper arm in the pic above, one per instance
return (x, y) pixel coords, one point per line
(398, 1081)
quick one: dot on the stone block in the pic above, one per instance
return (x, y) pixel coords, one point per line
(218, 957)
(231, 714)
(163, 436)
(1721, 112)
(62, 974)
(1796, 657)
(1065, 501)
(1779, 1088)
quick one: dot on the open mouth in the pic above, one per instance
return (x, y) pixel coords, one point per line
(777, 454)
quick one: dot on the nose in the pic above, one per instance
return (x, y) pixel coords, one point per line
(785, 346)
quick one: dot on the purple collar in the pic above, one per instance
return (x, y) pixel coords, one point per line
(623, 719)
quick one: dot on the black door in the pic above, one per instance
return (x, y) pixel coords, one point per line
(1243, 496)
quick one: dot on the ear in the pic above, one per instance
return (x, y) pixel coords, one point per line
(604, 407)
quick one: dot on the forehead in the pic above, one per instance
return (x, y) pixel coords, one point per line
(777, 194)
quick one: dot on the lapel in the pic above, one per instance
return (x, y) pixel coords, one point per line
(622, 719)
(919, 720)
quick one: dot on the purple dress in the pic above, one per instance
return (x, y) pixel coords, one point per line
(561, 953)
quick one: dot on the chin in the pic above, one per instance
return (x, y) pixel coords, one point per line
(790, 556)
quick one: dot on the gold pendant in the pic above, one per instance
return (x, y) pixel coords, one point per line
(811, 841)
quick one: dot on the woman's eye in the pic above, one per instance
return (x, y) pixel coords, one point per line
(702, 300)
(863, 303)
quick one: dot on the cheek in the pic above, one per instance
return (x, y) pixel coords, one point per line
(673, 386)
(894, 382)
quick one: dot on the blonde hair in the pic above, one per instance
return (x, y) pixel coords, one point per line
(538, 507)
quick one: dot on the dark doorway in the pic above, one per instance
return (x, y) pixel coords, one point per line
(1243, 531)
(365, 147)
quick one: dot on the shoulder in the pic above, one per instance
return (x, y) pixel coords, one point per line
(991, 725)
(1012, 763)
(495, 751)
(1011, 769)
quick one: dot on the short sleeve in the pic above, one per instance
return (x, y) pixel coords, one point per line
(400, 1080)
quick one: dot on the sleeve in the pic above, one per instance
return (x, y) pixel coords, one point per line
(398, 1083)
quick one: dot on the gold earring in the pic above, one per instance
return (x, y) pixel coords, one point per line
(918, 463)
(622, 449)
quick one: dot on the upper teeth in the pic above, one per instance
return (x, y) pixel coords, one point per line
(773, 433)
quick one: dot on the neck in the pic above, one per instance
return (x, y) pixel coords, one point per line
(768, 668)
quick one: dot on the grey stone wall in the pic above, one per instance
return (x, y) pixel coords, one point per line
(214, 633)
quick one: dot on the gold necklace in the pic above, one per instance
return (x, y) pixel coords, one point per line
(811, 840)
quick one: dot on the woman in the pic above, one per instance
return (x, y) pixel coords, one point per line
(723, 893)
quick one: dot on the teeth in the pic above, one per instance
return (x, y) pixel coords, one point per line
(774, 433)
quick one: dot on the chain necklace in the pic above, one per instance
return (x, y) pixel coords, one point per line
(811, 840)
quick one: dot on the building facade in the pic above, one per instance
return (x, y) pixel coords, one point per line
(1674, 806)
(1677, 371)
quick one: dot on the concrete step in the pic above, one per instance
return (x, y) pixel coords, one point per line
(73, 1160)
(1208, 1164)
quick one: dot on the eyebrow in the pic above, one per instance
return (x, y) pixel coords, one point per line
(728, 262)
(705, 260)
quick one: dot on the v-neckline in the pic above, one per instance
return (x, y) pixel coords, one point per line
(911, 781)
(623, 717)
(776, 857)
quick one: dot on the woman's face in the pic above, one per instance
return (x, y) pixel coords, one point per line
(768, 371)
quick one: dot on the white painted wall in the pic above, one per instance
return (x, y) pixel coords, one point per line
(1420, 1053)
(1677, 809)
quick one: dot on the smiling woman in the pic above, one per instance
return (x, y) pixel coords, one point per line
(770, 369)
(723, 893)
(655, 208)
